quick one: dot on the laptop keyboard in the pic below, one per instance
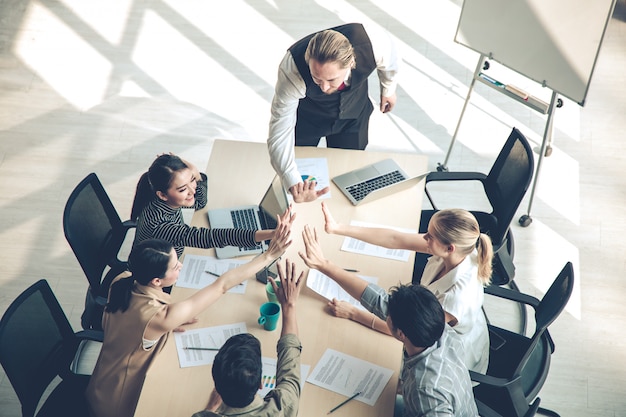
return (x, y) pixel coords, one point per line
(362, 189)
(244, 219)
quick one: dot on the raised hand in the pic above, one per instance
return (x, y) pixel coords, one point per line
(303, 192)
(290, 283)
(312, 256)
(287, 217)
(330, 225)
(282, 238)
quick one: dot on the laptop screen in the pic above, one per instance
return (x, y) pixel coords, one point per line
(274, 202)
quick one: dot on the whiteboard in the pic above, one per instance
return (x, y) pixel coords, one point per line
(553, 42)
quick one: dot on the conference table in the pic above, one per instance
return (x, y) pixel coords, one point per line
(239, 173)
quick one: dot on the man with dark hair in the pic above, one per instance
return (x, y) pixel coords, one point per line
(322, 91)
(237, 370)
(237, 366)
(434, 378)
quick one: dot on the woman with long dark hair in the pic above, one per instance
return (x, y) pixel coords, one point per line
(140, 316)
(170, 184)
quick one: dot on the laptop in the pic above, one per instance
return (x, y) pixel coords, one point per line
(375, 181)
(259, 217)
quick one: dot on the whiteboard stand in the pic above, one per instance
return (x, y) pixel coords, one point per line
(527, 100)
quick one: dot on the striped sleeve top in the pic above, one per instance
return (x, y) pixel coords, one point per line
(158, 220)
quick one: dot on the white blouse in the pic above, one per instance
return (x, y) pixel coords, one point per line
(461, 294)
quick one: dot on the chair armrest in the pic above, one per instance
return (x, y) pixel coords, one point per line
(451, 176)
(90, 334)
(512, 295)
(484, 410)
(504, 269)
(491, 380)
(86, 355)
(129, 224)
(455, 176)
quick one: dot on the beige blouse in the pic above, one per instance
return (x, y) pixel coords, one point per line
(118, 377)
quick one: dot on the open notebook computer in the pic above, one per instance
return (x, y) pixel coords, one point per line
(259, 217)
(375, 181)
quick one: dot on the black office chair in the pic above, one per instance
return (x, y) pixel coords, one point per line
(519, 365)
(504, 186)
(486, 411)
(37, 344)
(95, 233)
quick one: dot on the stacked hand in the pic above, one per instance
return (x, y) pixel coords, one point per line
(290, 285)
(282, 234)
(312, 256)
(303, 192)
(330, 225)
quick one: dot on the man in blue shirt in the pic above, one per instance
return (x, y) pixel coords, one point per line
(434, 379)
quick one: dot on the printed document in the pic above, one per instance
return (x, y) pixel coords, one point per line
(268, 380)
(347, 375)
(358, 246)
(200, 271)
(314, 168)
(207, 337)
(329, 289)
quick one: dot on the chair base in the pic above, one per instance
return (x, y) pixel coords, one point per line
(545, 412)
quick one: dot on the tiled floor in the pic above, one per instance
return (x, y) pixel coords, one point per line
(105, 86)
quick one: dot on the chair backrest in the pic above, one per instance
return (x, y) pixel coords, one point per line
(518, 364)
(549, 308)
(508, 180)
(93, 229)
(37, 343)
(535, 361)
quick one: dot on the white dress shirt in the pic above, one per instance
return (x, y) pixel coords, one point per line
(290, 88)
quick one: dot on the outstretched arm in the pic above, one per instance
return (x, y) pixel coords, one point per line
(267, 234)
(175, 314)
(314, 258)
(387, 238)
(343, 309)
(287, 294)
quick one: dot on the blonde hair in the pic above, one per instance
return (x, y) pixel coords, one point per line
(460, 228)
(330, 46)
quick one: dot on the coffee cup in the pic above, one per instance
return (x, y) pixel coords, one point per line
(270, 312)
(269, 291)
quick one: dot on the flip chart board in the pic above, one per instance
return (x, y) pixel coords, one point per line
(553, 42)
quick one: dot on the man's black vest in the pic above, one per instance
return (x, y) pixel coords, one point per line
(346, 104)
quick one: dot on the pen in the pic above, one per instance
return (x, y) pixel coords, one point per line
(199, 348)
(215, 274)
(349, 399)
(351, 270)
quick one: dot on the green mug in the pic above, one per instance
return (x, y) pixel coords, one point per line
(269, 291)
(269, 315)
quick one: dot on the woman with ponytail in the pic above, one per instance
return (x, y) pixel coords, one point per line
(457, 271)
(140, 316)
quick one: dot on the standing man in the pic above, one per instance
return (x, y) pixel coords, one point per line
(322, 90)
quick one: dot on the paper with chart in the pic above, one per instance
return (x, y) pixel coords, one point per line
(316, 168)
(347, 375)
(358, 246)
(199, 271)
(207, 337)
(268, 379)
(329, 289)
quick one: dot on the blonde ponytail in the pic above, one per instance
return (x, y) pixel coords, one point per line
(485, 258)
